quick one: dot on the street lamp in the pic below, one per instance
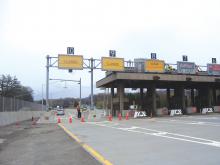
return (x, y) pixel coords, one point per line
(80, 92)
(80, 86)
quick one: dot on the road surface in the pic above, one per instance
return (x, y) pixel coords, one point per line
(41, 144)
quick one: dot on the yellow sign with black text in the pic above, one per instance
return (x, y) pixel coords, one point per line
(112, 64)
(154, 66)
(70, 62)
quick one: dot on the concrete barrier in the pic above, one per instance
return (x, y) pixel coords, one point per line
(191, 110)
(216, 109)
(7, 118)
(162, 111)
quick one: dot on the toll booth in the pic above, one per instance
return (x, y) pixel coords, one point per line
(182, 88)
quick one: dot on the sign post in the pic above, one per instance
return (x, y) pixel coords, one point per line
(47, 82)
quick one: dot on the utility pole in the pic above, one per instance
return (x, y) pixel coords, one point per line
(47, 83)
(92, 103)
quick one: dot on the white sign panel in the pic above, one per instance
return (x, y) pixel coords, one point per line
(207, 110)
(174, 112)
(139, 114)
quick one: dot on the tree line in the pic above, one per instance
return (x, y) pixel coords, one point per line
(11, 87)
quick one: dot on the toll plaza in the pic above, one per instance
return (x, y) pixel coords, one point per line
(186, 86)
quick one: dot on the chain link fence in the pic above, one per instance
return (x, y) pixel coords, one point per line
(12, 104)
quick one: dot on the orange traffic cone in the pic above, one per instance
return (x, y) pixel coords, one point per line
(82, 119)
(70, 119)
(33, 122)
(127, 116)
(17, 123)
(110, 117)
(58, 120)
(119, 116)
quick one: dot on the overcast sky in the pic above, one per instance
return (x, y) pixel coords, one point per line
(32, 29)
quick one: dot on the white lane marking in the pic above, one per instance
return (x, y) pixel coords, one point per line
(130, 128)
(163, 134)
(198, 123)
(190, 122)
(205, 118)
(104, 123)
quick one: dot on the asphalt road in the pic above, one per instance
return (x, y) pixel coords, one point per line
(159, 141)
(41, 144)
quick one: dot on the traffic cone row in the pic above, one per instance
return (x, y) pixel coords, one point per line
(70, 119)
(119, 117)
(109, 118)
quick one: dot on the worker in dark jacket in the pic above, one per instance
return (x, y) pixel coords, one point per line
(78, 111)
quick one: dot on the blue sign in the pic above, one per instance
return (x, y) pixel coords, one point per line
(213, 69)
(186, 67)
(112, 53)
(70, 50)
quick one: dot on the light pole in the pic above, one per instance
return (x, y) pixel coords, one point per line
(92, 67)
(80, 86)
(80, 92)
(47, 82)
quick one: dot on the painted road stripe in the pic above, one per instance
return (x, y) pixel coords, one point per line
(190, 122)
(89, 149)
(164, 134)
(70, 133)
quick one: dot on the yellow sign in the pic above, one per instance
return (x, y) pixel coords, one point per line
(70, 62)
(154, 66)
(112, 64)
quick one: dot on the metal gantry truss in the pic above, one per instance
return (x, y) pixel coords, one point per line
(87, 64)
(91, 64)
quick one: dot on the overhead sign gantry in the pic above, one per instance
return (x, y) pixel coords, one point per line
(113, 63)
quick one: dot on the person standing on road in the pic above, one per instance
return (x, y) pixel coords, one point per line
(78, 111)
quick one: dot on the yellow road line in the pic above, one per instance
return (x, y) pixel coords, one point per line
(70, 133)
(89, 149)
